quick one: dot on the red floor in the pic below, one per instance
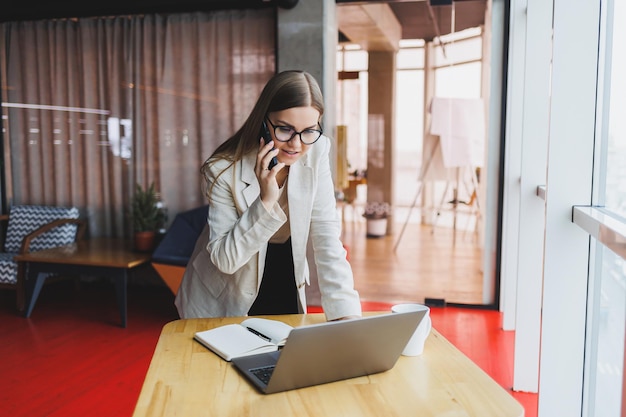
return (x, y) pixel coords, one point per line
(479, 334)
(71, 358)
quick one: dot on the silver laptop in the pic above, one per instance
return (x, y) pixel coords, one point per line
(332, 351)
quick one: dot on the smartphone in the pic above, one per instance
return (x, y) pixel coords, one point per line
(267, 137)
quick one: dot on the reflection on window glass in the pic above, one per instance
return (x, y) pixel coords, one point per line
(610, 342)
(616, 158)
(607, 360)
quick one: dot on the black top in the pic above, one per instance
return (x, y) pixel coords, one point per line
(278, 293)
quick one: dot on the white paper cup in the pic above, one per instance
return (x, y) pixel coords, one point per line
(416, 343)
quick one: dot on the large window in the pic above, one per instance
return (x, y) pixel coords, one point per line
(458, 70)
(606, 345)
(616, 152)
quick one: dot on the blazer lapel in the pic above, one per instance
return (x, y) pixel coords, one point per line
(251, 189)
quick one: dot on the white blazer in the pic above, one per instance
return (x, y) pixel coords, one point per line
(224, 273)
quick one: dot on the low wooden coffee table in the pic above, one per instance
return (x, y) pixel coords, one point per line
(107, 257)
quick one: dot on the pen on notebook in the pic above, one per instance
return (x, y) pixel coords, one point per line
(261, 335)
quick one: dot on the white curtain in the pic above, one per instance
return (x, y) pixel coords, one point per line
(92, 106)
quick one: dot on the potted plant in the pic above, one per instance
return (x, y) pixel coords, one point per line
(147, 215)
(376, 215)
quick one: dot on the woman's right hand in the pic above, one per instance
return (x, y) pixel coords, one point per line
(267, 177)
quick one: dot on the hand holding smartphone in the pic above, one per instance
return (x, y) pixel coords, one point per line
(267, 137)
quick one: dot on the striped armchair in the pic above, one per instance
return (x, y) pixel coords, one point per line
(30, 229)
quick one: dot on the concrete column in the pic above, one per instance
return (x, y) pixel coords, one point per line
(307, 40)
(381, 125)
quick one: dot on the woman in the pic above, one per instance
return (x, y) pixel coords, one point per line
(261, 218)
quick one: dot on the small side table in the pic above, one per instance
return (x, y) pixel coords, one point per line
(108, 257)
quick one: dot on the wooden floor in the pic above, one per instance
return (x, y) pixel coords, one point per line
(71, 358)
(429, 264)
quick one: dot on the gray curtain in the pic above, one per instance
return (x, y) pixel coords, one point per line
(92, 106)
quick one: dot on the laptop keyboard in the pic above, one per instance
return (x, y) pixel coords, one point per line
(264, 374)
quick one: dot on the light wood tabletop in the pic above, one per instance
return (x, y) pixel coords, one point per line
(105, 252)
(186, 379)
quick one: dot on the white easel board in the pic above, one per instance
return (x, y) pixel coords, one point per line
(460, 125)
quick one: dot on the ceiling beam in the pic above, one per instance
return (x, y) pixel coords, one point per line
(373, 26)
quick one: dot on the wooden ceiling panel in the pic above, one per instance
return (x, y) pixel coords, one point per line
(416, 17)
(373, 26)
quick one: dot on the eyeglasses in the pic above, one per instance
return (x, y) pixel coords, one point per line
(286, 133)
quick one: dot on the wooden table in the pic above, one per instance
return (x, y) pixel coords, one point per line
(186, 379)
(113, 258)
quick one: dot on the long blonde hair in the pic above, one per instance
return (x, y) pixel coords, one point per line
(284, 90)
